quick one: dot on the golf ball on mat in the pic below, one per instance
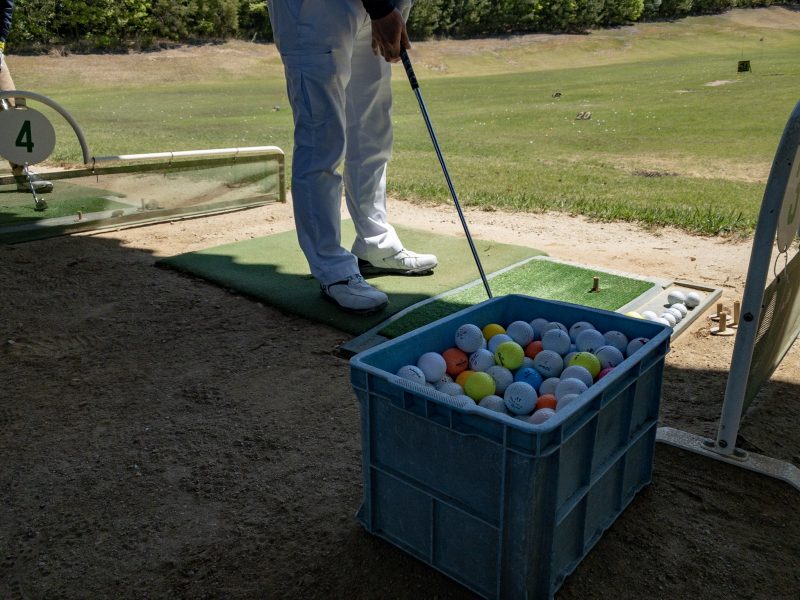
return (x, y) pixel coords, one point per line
(412, 373)
(521, 332)
(469, 338)
(693, 300)
(681, 308)
(433, 365)
(669, 318)
(481, 360)
(676, 296)
(675, 313)
(495, 403)
(549, 363)
(502, 378)
(520, 398)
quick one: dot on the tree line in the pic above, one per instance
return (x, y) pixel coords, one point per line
(91, 25)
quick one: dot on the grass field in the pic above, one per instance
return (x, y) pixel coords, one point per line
(676, 135)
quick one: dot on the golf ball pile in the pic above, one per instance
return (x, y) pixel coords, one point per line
(526, 369)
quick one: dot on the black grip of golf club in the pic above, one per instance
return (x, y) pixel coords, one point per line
(412, 78)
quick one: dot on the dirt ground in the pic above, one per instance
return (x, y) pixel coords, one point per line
(165, 438)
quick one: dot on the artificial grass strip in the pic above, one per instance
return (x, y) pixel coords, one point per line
(544, 279)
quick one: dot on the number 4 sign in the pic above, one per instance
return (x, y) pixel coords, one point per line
(26, 136)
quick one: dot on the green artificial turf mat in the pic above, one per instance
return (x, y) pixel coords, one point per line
(541, 278)
(273, 269)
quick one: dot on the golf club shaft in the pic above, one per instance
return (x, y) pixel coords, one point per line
(412, 79)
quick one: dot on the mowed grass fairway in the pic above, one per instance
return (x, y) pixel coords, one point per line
(676, 135)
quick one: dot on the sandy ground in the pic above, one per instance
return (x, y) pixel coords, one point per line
(165, 438)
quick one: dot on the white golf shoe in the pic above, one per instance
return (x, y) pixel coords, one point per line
(404, 262)
(355, 295)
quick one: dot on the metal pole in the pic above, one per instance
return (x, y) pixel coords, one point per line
(412, 78)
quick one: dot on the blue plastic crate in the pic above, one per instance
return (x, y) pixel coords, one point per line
(505, 508)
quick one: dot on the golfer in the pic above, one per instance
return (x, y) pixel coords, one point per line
(336, 57)
(24, 180)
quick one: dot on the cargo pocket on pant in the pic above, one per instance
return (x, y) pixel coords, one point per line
(313, 88)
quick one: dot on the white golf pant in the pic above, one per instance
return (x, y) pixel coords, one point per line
(341, 98)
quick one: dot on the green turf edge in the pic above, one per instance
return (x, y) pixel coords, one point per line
(544, 279)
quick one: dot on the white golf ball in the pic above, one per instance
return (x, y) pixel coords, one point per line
(495, 403)
(675, 313)
(549, 386)
(577, 327)
(564, 401)
(617, 339)
(635, 344)
(693, 300)
(549, 363)
(433, 366)
(663, 321)
(676, 296)
(496, 340)
(541, 415)
(527, 362)
(469, 338)
(481, 360)
(681, 308)
(451, 389)
(538, 327)
(520, 398)
(412, 373)
(590, 340)
(669, 318)
(556, 340)
(444, 379)
(554, 325)
(502, 378)
(609, 356)
(521, 332)
(577, 372)
(570, 386)
(649, 315)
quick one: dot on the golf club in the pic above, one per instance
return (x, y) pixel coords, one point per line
(412, 79)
